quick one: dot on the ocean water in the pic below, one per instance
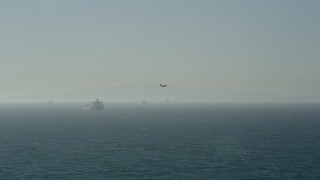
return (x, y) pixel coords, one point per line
(160, 141)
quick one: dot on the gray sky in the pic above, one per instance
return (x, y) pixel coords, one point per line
(56, 46)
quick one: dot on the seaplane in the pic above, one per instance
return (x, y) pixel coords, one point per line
(163, 85)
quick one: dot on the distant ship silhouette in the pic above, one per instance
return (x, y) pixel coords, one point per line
(96, 105)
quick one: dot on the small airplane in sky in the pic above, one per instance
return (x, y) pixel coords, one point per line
(163, 85)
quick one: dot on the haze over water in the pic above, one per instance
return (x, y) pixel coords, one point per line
(242, 100)
(265, 50)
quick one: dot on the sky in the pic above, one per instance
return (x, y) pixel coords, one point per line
(58, 46)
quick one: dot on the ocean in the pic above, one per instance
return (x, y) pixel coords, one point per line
(160, 141)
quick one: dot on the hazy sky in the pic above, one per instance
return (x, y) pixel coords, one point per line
(56, 46)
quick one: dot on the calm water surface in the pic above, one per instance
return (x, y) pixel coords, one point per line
(160, 141)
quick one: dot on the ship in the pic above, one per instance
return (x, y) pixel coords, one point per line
(96, 105)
